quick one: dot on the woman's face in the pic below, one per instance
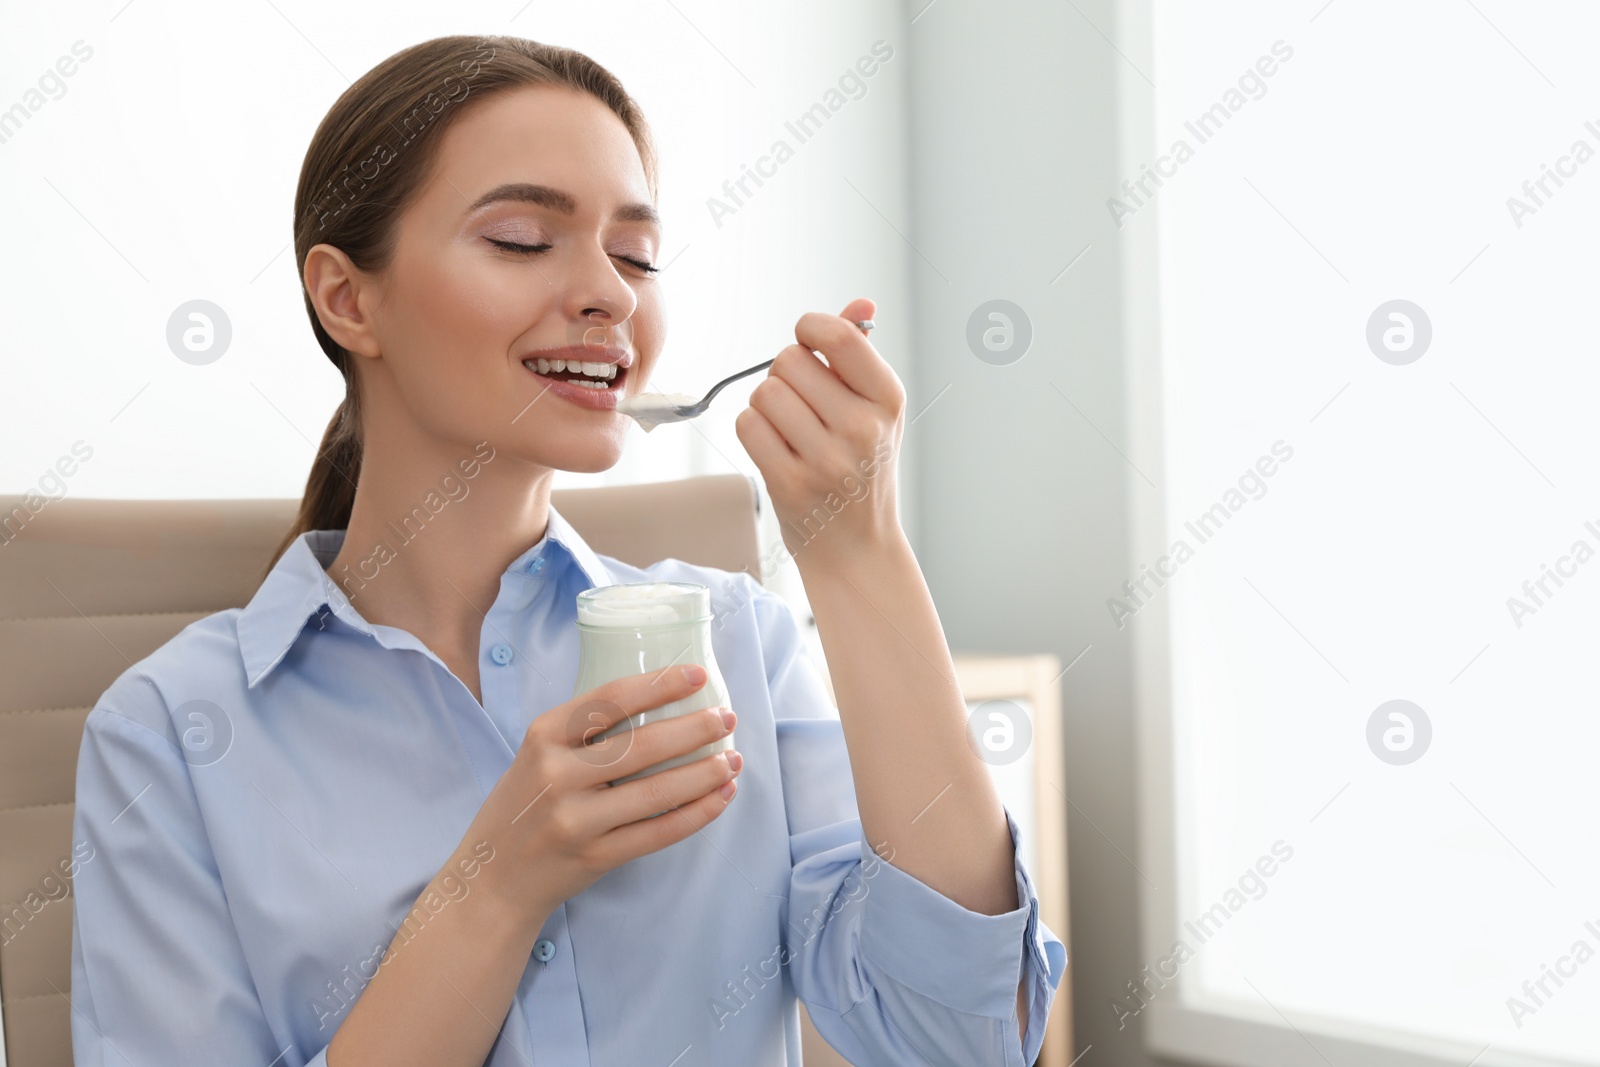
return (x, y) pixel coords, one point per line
(456, 315)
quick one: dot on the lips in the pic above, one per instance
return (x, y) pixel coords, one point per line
(596, 395)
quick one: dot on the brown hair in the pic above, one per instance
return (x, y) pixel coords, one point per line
(366, 162)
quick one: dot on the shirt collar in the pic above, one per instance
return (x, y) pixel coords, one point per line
(299, 587)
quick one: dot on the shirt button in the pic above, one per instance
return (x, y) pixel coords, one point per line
(535, 564)
(501, 654)
(544, 949)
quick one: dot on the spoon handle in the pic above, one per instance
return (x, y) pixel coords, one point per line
(715, 389)
(865, 325)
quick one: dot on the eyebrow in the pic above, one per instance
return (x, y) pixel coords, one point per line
(556, 200)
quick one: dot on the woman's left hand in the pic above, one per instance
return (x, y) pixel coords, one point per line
(826, 437)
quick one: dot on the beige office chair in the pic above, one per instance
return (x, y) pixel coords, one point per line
(88, 587)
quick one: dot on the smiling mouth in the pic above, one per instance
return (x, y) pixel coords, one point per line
(597, 376)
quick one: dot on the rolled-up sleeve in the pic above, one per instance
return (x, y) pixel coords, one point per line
(158, 972)
(891, 970)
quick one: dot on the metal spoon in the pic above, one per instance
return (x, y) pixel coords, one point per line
(652, 409)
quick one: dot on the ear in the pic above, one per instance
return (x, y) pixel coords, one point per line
(340, 293)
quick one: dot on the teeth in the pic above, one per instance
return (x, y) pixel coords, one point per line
(603, 371)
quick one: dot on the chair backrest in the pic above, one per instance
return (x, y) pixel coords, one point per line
(88, 587)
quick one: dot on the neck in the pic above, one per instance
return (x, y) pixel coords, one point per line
(433, 527)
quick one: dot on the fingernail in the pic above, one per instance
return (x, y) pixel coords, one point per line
(728, 718)
(735, 761)
(727, 791)
(694, 674)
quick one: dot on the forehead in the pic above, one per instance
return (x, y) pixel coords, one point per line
(546, 134)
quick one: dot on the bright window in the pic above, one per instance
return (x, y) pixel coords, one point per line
(1369, 501)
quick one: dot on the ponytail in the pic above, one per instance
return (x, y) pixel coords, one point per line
(331, 486)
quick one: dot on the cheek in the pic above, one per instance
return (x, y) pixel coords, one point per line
(464, 306)
(648, 337)
(452, 338)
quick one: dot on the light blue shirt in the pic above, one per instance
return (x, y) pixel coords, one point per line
(268, 794)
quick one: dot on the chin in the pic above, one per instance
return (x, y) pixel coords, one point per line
(596, 453)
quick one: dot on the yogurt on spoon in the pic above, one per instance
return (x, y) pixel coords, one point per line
(650, 410)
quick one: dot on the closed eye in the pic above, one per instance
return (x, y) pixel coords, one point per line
(522, 249)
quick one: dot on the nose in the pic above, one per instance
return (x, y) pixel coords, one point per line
(600, 303)
(598, 327)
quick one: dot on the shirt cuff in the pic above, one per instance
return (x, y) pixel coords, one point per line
(963, 959)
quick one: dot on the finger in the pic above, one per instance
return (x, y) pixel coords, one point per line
(791, 416)
(602, 707)
(763, 441)
(834, 402)
(849, 354)
(665, 790)
(673, 825)
(648, 745)
(858, 309)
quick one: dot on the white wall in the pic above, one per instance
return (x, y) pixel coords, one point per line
(1023, 491)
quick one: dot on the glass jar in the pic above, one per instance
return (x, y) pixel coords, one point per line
(639, 627)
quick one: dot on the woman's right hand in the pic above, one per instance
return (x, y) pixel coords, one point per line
(555, 822)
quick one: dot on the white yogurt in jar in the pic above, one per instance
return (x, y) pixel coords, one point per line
(640, 628)
(644, 604)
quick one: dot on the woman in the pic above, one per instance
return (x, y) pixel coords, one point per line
(355, 822)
